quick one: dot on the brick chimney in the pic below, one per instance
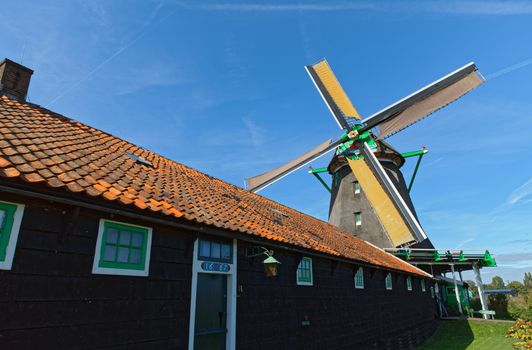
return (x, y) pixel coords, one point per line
(14, 79)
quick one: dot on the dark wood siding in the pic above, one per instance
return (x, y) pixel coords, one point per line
(51, 300)
(271, 310)
(55, 302)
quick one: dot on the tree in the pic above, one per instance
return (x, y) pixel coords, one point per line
(517, 286)
(496, 283)
(527, 281)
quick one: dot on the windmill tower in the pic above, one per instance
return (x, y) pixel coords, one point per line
(369, 197)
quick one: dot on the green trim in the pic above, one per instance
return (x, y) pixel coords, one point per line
(414, 153)
(356, 187)
(415, 172)
(6, 228)
(462, 257)
(120, 228)
(388, 281)
(318, 170)
(437, 256)
(322, 182)
(489, 260)
(359, 278)
(304, 273)
(358, 218)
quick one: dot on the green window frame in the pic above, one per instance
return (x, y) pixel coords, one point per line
(388, 281)
(304, 272)
(122, 249)
(358, 218)
(409, 282)
(356, 187)
(432, 292)
(359, 278)
(423, 287)
(10, 220)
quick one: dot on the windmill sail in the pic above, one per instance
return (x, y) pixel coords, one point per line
(259, 182)
(394, 215)
(333, 94)
(425, 101)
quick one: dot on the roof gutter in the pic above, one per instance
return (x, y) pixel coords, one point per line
(198, 227)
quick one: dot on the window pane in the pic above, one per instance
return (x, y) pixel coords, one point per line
(205, 249)
(3, 214)
(109, 253)
(215, 250)
(226, 251)
(137, 239)
(123, 254)
(125, 237)
(134, 256)
(112, 235)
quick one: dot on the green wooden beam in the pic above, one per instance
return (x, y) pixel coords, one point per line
(316, 174)
(419, 153)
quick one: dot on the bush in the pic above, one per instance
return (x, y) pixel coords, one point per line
(520, 307)
(499, 304)
(475, 304)
(522, 330)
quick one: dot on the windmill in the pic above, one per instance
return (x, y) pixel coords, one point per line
(363, 159)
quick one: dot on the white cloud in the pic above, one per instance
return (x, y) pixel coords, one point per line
(521, 194)
(243, 7)
(445, 7)
(255, 133)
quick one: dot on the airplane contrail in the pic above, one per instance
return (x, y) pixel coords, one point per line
(509, 69)
(116, 53)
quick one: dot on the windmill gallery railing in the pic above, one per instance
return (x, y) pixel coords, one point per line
(446, 260)
(480, 257)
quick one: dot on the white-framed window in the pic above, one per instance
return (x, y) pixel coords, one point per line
(304, 272)
(359, 278)
(358, 218)
(356, 187)
(423, 287)
(10, 220)
(122, 249)
(409, 282)
(388, 281)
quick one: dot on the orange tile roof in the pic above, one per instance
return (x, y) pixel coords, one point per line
(44, 148)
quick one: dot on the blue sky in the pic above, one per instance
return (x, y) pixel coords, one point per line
(220, 86)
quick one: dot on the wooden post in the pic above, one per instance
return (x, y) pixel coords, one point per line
(480, 288)
(456, 292)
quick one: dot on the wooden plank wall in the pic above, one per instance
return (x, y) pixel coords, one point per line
(271, 311)
(51, 299)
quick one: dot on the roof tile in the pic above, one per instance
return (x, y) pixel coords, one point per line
(37, 145)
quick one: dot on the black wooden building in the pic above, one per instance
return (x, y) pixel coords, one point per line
(107, 245)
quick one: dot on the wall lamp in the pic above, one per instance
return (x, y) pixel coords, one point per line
(270, 263)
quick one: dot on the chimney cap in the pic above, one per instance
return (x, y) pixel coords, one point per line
(14, 79)
(18, 65)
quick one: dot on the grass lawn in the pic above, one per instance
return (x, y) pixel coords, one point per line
(471, 335)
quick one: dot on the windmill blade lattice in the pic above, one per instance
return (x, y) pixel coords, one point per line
(425, 101)
(258, 182)
(333, 94)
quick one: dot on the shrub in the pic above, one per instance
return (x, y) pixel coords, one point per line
(475, 304)
(499, 304)
(520, 307)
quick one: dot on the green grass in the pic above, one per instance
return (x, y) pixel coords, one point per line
(471, 335)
